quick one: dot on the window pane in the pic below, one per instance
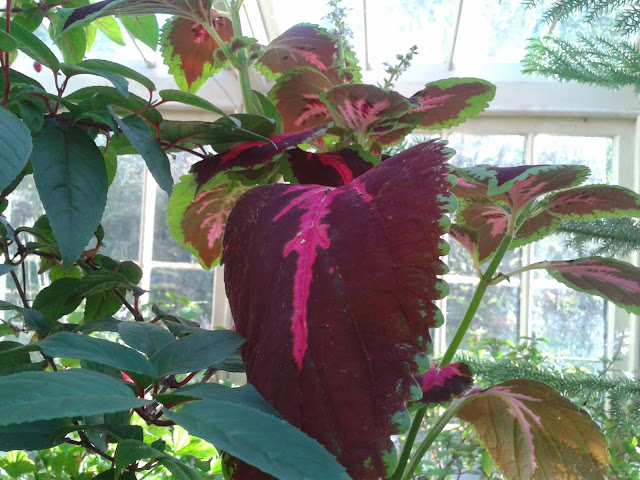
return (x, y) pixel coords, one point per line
(193, 285)
(123, 214)
(165, 248)
(573, 322)
(500, 150)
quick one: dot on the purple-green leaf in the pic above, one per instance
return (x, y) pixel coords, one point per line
(613, 280)
(441, 384)
(594, 201)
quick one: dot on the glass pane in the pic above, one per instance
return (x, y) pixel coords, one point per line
(24, 204)
(165, 248)
(500, 150)
(573, 322)
(594, 152)
(498, 313)
(123, 214)
(194, 289)
(495, 31)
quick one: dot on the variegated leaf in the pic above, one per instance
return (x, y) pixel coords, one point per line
(533, 433)
(613, 280)
(296, 95)
(189, 50)
(364, 107)
(467, 237)
(489, 220)
(594, 201)
(303, 45)
(333, 169)
(441, 384)
(334, 295)
(250, 155)
(447, 103)
(535, 228)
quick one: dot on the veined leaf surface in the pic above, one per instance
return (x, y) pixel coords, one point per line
(333, 290)
(532, 432)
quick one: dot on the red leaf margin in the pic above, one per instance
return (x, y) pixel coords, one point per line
(334, 292)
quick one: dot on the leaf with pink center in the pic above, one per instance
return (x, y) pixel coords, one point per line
(520, 185)
(613, 280)
(467, 237)
(296, 95)
(489, 220)
(532, 432)
(535, 228)
(447, 103)
(364, 107)
(303, 45)
(250, 155)
(188, 50)
(332, 169)
(441, 384)
(594, 201)
(333, 290)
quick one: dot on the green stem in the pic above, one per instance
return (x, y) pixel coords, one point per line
(518, 271)
(243, 71)
(431, 436)
(485, 281)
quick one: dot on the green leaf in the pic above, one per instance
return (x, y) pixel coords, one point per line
(30, 436)
(32, 45)
(245, 395)
(107, 324)
(195, 352)
(71, 179)
(144, 28)
(179, 470)
(82, 347)
(55, 300)
(31, 114)
(117, 69)
(15, 147)
(48, 395)
(138, 133)
(118, 81)
(72, 42)
(17, 464)
(100, 305)
(531, 431)
(259, 439)
(145, 337)
(99, 281)
(111, 29)
(32, 318)
(130, 451)
(7, 42)
(97, 98)
(269, 110)
(189, 99)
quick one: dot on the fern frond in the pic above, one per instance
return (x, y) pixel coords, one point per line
(611, 237)
(591, 60)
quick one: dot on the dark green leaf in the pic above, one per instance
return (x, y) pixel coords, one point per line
(32, 45)
(30, 436)
(71, 179)
(195, 352)
(101, 304)
(49, 395)
(15, 147)
(246, 395)
(178, 469)
(259, 439)
(144, 28)
(189, 99)
(70, 345)
(72, 42)
(7, 42)
(34, 91)
(269, 109)
(97, 98)
(107, 324)
(32, 318)
(145, 337)
(31, 114)
(55, 301)
(99, 281)
(131, 271)
(117, 69)
(138, 133)
(5, 268)
(119, 82)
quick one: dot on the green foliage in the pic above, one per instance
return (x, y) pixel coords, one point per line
(617, 237)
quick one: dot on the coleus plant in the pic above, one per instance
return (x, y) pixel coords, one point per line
(331, 277)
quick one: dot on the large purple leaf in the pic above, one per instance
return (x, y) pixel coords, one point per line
(296, 95)
(303, 45)
(250, 155)
(615, 281)
(450, 102)
(532, 432)
(332, 169)
(594, 201)
(333, 290)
